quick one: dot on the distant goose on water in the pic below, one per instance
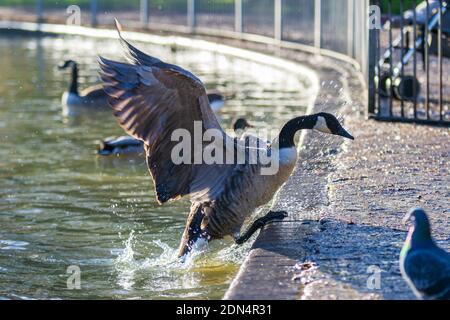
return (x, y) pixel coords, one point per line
(424, 266)
(151, 99)
(91, 98)
(127, 145)
(95, 98)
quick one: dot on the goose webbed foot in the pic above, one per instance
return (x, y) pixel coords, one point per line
(259, 223)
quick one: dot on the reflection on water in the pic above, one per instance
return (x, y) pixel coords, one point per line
(61, 205)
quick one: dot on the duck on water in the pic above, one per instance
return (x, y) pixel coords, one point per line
(151, 99)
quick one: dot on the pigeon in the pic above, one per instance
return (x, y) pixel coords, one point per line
(424, 266)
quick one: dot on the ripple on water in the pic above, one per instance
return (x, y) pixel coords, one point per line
(70, 207)
(13, 245)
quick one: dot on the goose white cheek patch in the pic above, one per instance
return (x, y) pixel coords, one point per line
(321, 125)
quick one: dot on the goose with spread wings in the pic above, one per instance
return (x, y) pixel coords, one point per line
(152, 100)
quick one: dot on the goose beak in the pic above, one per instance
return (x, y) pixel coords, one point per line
(343, 133)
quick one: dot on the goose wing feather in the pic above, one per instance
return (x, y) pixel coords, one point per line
(151, 99)
(137, 57)
(93, 92)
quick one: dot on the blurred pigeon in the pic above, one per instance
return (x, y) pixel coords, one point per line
(424, 266)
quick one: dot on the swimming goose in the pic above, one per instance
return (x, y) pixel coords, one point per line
(93, 97)
(127, 145)
(162, 105)
(424, 266)
(124, 145)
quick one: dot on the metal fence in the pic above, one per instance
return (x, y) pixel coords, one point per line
(330, 27)
(409, 79)
(405, 75)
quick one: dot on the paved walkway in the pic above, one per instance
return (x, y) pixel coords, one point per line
(387, 170)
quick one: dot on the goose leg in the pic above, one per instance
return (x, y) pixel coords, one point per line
(192, 231)
(259, 223)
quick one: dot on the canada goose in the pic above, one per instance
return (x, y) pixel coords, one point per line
(124, 145)
(93, 97)
(127, 145)
(424, 266)
(153, 100)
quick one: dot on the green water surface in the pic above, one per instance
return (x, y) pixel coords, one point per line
(61, 205)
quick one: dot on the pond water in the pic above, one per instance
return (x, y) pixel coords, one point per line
(63, 208)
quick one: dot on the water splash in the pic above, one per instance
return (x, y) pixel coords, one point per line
(161, 271)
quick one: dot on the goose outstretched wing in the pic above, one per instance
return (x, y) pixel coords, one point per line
(151, 99)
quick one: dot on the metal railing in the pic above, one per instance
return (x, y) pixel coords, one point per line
(406, 76)
(399, 66)
(407, 71)
(335, 28)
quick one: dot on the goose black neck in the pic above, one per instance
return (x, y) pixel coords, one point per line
(74, 81)
(289, 130)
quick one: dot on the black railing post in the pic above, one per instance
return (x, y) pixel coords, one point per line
(440, 53)
(372, 60)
